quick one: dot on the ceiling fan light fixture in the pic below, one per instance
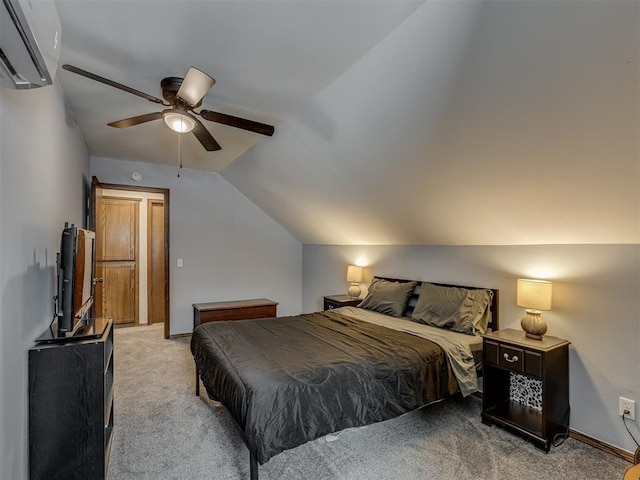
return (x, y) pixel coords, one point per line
(178, 122)
(195, 85)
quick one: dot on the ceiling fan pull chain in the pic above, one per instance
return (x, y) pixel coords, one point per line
(180, 152)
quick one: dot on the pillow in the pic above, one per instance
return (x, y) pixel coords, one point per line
(388, 297)
(455, 308)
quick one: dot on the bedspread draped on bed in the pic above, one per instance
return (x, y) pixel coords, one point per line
(289, 380)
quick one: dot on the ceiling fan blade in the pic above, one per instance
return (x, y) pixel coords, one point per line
(195, 86)
(243, 123)
(111, 83)
(130, 122)
(205, 138)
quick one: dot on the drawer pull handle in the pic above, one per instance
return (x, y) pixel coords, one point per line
(510, 360)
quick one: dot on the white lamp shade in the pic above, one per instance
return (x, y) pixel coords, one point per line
(195, 85)
(534, 294)
(354, 274)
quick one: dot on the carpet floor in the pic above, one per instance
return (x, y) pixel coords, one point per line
(163, 431)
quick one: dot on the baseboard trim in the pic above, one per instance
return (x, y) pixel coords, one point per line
(600, 445)
(180, 335)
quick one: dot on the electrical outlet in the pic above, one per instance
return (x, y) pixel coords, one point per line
(629, 406)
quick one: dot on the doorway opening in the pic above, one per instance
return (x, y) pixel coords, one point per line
(132, 253)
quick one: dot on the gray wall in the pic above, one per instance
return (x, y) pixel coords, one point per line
(488, 123)
(596, 305)
(230, 248)
(43, 183)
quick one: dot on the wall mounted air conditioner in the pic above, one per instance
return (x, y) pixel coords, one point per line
(29, 43)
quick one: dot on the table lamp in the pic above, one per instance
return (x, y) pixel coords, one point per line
(534, 295)
(354, 276)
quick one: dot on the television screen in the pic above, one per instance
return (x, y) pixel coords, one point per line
(75, 278)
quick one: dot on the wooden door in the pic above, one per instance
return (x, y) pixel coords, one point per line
(116, 258)
(156, 275)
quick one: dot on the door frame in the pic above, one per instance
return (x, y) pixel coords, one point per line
(95, 184)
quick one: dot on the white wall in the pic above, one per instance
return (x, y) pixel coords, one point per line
(596, 305)
(43, 183)
(230, 248)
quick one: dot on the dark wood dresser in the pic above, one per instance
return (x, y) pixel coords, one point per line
(233, 310)
(71, 408)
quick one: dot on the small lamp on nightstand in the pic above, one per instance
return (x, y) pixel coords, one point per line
(534, 295)
(354, 276)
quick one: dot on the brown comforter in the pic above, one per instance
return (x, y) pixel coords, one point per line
(288, 380)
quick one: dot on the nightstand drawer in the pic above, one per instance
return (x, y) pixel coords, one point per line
(491, 352)
(533, 364)
(517, 359)
(511, 358)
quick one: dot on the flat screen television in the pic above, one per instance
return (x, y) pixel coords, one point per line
(75, 278)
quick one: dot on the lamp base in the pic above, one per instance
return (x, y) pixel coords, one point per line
(533, 325)
(354, 290)
(533, 336)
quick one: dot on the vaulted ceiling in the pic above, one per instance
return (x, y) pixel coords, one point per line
(438, 122)
(268, 58)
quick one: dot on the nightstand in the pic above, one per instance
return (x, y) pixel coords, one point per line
(335, 301)
(526, 385)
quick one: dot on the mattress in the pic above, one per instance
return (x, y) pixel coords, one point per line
(288, 380)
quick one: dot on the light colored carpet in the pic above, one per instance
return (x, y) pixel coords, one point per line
(163, 431)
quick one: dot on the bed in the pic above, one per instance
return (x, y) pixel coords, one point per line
(289, 380)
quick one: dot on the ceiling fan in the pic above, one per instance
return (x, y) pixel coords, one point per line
(182, 96)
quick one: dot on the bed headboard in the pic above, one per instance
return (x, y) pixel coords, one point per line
(494, 324)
